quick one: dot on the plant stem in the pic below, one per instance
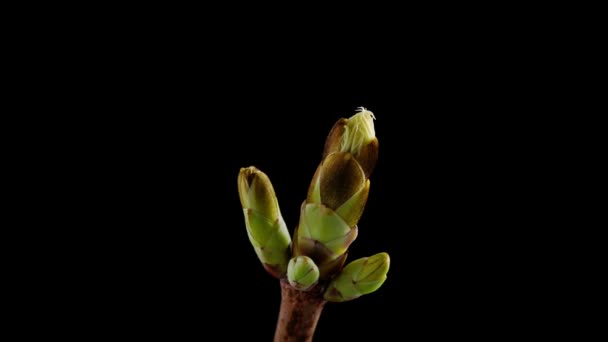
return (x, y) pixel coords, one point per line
(300, 312)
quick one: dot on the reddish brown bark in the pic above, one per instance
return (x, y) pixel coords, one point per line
(300, 312)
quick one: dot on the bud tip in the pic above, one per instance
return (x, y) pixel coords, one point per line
(359, 130)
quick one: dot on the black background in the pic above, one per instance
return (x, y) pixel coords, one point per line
(183, 263)
(146, 119)
(173, 257)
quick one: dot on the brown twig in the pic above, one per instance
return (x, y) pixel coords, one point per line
(300, 312)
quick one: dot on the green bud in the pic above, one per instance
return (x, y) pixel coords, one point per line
(265, 226)
(341, 185)
(302, 273)
(338, 193)
(356, 136)
(256, 193)
(359, 277)
(359, 131)
(323, 234)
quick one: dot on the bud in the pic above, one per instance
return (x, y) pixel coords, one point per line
(302, 273)
(256, 193)
(322, 234)
(362, 276)
(338, 193)
(340, 184)
(356, 136)
(265, 226)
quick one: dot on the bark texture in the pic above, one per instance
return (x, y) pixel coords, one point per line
(300, 312)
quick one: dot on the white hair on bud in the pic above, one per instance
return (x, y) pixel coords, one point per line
(364, 110)
(358, 131)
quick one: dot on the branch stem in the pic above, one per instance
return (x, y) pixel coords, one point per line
(300, 312)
